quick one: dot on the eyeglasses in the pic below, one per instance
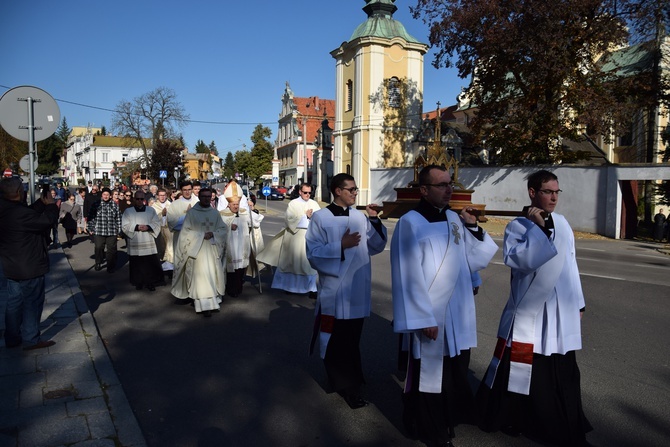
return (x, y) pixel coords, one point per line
(305, 192)
(440, 186)
(548, 192)
(127, 195)
(352, 190)
(139, 198)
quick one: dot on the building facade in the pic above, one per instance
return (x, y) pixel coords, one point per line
(379, 96)
(297, 137)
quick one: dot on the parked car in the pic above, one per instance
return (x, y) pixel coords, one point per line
(282, 189)
(275, 194)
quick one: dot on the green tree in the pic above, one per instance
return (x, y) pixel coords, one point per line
(244, 164)
(229, 166)
(63, 132)
(166, 155)
(534, 69)
(213, 149)
(261, 153)
(11, 151)
(48, 155)
(201, 147)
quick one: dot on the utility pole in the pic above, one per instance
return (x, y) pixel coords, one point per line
(304, 145)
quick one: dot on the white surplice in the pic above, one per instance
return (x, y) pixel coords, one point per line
(238, 246)
(542, 314)
(141, 243)
(432, 267)
(166, 234)
(344, 284)
(287, 250)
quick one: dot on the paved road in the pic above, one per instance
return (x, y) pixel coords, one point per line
(243, 377)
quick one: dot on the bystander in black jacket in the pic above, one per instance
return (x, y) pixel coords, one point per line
(24, 232)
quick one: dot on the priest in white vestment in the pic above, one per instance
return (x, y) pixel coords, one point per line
(532, 385)
(240, 222)
(175, 219)
(435, 254)
(164, 239)
(199, 273)
(287, 249)
(142, 226)
(340, 240)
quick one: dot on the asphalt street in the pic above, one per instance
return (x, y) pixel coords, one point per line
(244, 376)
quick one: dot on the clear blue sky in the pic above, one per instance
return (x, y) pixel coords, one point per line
(228, 61)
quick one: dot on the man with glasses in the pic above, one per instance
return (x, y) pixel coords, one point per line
(435, 254)
(142, 226)
(164, 239)
(294, 274)
(175, 219)
(340, 240)
(532, 385)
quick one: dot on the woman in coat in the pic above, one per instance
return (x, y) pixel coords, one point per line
(70, 213)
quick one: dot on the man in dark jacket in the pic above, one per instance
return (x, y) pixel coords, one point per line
(23, 252)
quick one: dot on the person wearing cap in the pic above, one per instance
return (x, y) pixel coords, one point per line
(23, 253)
(90, 186)
(240, 223)
(104, 223)
(198, 271)
(142, 226)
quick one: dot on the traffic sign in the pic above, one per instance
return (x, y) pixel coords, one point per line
(266, 191)
(162, 174)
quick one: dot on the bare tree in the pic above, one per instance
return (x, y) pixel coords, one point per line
(150, 117)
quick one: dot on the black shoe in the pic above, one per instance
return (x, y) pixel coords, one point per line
(355, 402)
(151, 288)
(183, 301)
(207, 313)
(112, 270)
(98, 267)
(138, 287)
(311, 295)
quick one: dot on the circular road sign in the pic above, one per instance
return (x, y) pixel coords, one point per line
(266, 191)
(14, 112)
(24, 163)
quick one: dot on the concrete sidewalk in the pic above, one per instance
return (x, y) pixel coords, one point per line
(68, 394)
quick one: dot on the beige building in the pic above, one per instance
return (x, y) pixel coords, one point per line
(379, 96)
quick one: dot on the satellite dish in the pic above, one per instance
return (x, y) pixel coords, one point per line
(15, 113)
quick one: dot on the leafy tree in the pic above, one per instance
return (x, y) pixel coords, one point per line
(11, 151)
(229, 166)
(166, 155)
(63, 132)
(48, 154)
(261, 153)
(201, 147)
(153, 116)
(213, 149)
(244, 164)
(534, 69)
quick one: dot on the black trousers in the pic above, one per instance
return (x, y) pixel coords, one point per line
(433, 416)
(343, 356)
(108, 243)
(234, 282)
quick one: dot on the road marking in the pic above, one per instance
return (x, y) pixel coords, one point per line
(653, 256)
(652, 266)
(602, 276)
(588, 259)
(592, 249)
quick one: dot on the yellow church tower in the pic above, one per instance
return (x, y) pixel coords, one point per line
(379, 95)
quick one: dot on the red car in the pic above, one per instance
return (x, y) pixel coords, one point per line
(282, 189)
